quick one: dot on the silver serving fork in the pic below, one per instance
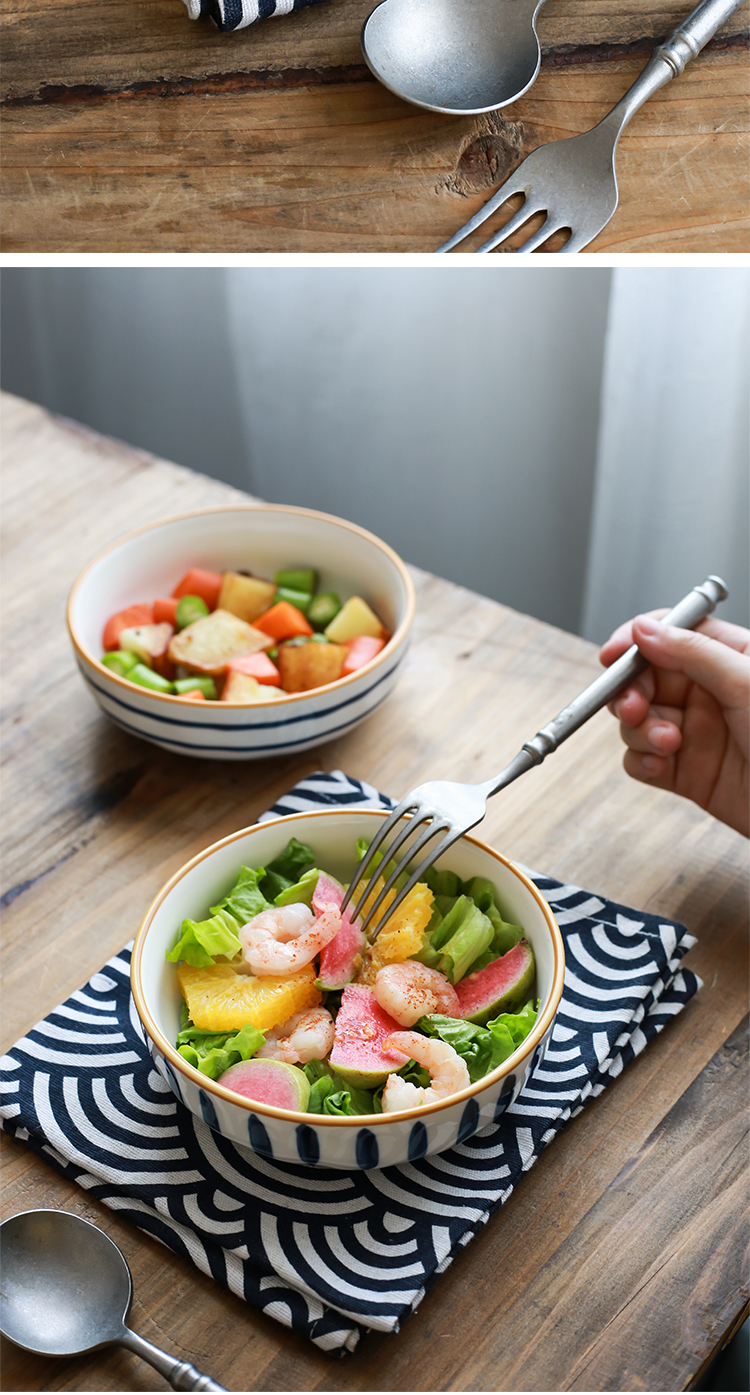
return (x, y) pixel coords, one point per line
(573, 181)
(452, 809)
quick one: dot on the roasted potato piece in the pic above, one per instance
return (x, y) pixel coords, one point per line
(304, 666)
(355, 618)
(208, 644)
(246, 596)
(151, 644)
(242, 687)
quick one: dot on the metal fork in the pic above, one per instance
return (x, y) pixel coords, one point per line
(573, 181)
(453, 808)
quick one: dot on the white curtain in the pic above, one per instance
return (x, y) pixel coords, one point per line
(671, 487)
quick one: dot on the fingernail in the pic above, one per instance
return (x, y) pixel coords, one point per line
(652, 765)
(648, 625)
(656, 736)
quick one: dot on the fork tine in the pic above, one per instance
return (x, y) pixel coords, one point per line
(427, 833)
(390, 852)
(526, 211)
(409, 827)
(451, 837)
(578, 240)
(506, 191)
(406, 804)
(537, 238)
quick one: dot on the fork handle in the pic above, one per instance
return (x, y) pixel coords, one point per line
(686, 614)
(669, 59)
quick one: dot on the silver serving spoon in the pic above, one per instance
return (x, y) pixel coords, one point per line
(67, 1289)
(460, 57)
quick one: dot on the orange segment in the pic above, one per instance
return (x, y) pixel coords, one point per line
(222, 1000)
(402, 934)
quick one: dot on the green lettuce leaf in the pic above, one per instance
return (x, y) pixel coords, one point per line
(301, 891)
(505, 935)
(482, 1048)
(426, 954)
(330, 1094)
(200, 942)
(443, 884)
(245, 900)
(518, 1024)
(285, 870)
(464, 934)
(214, 1052)
(474, 1044)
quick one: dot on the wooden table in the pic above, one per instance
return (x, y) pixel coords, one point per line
(617, 1263)
(129, 128)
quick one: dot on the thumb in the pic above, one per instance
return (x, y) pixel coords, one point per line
(722, 671)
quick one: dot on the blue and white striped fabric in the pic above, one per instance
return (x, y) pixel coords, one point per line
(235, 14)
(329, 1254)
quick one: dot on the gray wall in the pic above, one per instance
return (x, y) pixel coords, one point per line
(453, 411)
(140, 355)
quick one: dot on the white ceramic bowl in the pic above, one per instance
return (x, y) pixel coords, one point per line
(262, 538)
(364, 1141)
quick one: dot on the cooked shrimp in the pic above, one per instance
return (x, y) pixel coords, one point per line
(282, 940)
(448, 1070)
(408, 990)
(307, 1036)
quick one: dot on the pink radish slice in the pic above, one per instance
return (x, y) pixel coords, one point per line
(269, 1082)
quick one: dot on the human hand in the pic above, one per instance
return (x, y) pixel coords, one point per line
(686, 720)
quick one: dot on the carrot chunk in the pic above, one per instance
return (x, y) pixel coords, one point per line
(283, 621)
(360, 651)
(165, 610)
(257, 666)
(198, 582)
(124, 620)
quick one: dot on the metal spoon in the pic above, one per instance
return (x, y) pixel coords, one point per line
(459, 57)
(67, 1289)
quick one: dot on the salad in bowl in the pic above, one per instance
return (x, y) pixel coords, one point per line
(266, 1006)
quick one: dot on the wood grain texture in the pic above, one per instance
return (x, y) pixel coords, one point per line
(622, 1254)
(130, 128)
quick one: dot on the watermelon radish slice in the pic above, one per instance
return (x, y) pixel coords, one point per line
(269, 1082)
(361, 1024)
(341, 958)
(503, 986)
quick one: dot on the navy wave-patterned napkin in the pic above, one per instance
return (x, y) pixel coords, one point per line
(329, 1254)
(236, 14)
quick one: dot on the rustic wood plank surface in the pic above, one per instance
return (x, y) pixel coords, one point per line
(130, 128)
(618, 1262)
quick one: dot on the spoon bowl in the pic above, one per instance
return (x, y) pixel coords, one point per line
(67, 1290)
(457, 57)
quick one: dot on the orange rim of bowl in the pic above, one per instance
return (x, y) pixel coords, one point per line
(167, 1049)
(394, 642)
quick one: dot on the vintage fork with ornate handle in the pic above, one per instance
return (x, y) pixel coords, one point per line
(452, 809)
(573, 182)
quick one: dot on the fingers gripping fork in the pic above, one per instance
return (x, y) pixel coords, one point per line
(452, 809)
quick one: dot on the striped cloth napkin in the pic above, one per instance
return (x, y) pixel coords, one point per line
(236, 14)
(329, 1254)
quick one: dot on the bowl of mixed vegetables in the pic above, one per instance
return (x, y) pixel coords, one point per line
(276, 1020)
(241, 633)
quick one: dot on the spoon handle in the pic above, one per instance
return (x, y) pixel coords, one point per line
(180, 1374)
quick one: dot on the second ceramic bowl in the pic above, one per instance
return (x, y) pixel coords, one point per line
(262, 538)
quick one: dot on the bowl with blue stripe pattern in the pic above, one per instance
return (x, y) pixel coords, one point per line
(262, 538)
(360, 1141)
